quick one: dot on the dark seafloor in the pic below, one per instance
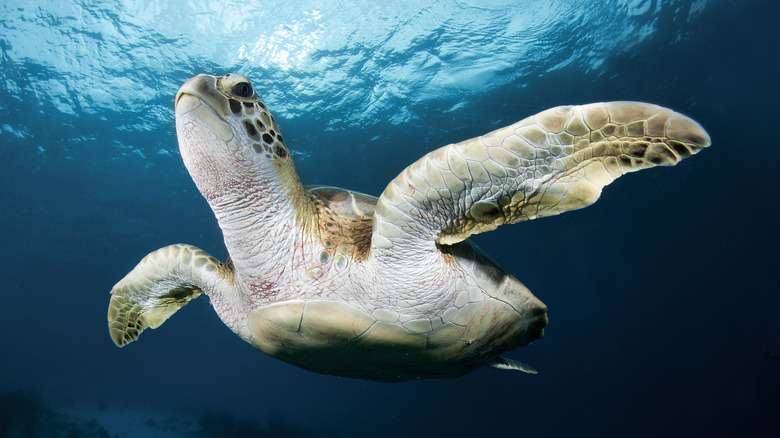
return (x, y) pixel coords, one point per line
(664, 296)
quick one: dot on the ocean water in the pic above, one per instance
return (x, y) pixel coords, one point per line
(664, 296)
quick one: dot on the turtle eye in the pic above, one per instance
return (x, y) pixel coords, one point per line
(242, 89)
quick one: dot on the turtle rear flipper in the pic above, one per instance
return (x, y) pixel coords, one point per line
(162, 283)
(505, 363)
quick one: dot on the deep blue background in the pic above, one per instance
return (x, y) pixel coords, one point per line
(663, 297)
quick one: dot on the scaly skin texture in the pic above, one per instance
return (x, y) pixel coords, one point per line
(384, 289)
(153, 291)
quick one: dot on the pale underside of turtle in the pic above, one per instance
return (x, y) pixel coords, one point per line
(384, 288)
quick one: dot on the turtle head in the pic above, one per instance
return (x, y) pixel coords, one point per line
(227, 136)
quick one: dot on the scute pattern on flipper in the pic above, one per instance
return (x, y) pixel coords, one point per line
(555, 161)
(127, 319)
(162, 283)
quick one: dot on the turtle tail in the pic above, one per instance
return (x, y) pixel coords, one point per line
(162, 283)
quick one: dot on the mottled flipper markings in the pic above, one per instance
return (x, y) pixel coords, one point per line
(555, 161)
(162, 283)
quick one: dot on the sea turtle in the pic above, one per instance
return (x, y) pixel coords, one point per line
(386, 288)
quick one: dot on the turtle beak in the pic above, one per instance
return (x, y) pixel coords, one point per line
(198, 100)
(201, 89)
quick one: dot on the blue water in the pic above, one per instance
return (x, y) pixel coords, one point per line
(664, 297)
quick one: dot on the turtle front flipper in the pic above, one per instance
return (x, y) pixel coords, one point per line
(555, 161)
(162, 283)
